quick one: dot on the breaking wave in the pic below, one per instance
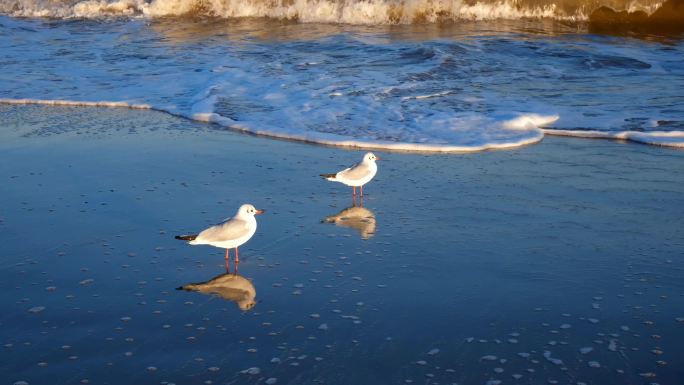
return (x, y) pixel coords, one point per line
(328, 11)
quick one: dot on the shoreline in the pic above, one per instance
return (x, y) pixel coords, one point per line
(655, 138)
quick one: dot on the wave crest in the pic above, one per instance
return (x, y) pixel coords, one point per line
(327, 11)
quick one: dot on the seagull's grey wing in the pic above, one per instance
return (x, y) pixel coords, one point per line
(357, 171)
(231, 229)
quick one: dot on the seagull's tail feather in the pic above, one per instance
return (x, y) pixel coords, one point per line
(187, 237)
(329, 176)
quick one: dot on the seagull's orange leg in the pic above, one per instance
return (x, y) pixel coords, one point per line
(354, 189)
(361, 191)
(237, 257)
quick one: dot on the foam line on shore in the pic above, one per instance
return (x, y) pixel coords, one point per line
(321, 138)
(344, 141)
(656, 138)
(77, 103)
(529, 122)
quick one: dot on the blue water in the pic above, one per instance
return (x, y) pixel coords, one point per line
(448, 87)
(559, 262)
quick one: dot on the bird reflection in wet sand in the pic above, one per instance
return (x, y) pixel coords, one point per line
(229, 286)
(355, 217)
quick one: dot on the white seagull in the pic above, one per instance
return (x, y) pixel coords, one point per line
(358, 174)
(229, 234)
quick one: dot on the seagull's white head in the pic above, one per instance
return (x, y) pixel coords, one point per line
(370, 157)
(248, 210)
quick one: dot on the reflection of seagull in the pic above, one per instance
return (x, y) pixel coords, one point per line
(358, 218)
(358, 174)
(231, 233)
(228, 286)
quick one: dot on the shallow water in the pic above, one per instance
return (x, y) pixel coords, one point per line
(559, 262)
(440, 87)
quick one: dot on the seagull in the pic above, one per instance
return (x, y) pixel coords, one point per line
(231, 233)
(358, 174)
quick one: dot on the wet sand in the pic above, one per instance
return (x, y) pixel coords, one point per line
(559, 262)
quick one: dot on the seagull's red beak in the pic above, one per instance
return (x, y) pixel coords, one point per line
(259, 212)
(377, 157)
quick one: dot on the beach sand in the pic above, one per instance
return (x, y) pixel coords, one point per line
(560, 261)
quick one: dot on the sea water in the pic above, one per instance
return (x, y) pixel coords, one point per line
(556, 263)
(463, 85)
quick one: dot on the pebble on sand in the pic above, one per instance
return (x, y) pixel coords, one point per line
(612, 346)
(594, 364)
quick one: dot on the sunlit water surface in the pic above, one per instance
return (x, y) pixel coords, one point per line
(437, 86)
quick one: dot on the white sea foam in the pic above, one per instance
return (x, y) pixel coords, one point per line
(531, 123)
(436, 95)
(477, 134)
(355, 89)
(76, 103)
(487, 139)
(320, 11)
(658, 138)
